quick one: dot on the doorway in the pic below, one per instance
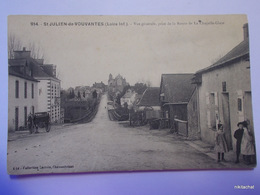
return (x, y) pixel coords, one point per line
(226, 118)
(16, 118)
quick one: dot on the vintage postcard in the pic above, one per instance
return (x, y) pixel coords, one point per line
(129, 93)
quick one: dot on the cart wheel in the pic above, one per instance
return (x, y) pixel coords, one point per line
(31, 129)
(41, 124)
(47, 127)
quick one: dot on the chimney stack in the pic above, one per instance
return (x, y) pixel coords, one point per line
(246, 33)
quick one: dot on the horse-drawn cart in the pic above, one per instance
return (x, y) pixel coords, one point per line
(40, 120)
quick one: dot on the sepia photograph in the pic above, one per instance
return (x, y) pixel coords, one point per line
(129, 93)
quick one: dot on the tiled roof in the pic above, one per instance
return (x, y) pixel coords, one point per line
(177, 88)
(150, 97)
(239, 51)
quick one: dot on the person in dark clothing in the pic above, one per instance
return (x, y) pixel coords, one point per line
(238, 135)
(30, 123)
(35, 125)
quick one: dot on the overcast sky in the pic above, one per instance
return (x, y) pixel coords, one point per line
(140, 53)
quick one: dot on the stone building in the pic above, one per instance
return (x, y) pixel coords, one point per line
(178, 98)
(224, 92)
(47, 90)
(22, 94)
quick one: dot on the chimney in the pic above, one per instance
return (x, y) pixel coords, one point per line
(246, 33)
(22, 54)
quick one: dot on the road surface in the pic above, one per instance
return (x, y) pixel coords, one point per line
(103, 145)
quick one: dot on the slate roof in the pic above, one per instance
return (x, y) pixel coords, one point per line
(17, 62)
(38, 70)
(150, 97)
(177, 88)
(241, 50)
(24, 76)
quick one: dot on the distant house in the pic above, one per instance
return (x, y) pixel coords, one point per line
(82, 92)
(129, 98)
(150, 102)
(100, 86)
(225, 92)
(178, 98)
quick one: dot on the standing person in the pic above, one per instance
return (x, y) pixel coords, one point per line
(30, 123)
(238, 136)
(247, 143)
(221, 146)
(35, 125)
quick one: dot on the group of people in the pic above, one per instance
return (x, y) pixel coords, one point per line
(244, 143)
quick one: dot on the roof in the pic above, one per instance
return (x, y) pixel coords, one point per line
(177, 88)
(17, 62)
(24, 76)
(39, 72)
(151, 97)
(129, 93)
(241, 50)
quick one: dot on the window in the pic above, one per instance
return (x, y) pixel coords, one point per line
(32, 90)
(32, 109)
(25, 90)
(17, 89)
(16, 118)
(239, 104)
(224, 86)
(25, 116)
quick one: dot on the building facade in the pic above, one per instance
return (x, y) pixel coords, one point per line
(129, 98)
(224, 92)
(22, 98)
(49, 97)
(48, 88)
(178, 96)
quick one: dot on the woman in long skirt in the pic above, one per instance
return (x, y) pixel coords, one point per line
(247, 143)
(221, 146)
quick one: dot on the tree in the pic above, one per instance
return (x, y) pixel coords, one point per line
(36, 51)
(140, 88)
(94, 94)
(13, 44)
(71, 94)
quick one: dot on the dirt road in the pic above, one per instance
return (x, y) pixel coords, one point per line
(102, 145)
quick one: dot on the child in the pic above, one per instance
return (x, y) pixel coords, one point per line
(220, 143)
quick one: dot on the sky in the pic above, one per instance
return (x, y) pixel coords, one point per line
(86, 49)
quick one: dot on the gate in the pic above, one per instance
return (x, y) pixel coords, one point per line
(182, 127)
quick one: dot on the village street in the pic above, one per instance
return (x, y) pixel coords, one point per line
(103, 145)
